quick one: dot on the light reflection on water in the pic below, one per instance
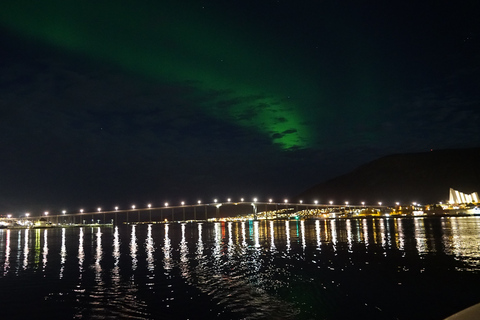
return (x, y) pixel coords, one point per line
(244, 270)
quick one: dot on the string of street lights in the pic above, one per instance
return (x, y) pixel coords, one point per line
(215, 201)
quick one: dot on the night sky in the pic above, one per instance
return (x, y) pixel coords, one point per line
(107, 103)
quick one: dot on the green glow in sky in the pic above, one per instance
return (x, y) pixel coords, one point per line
(234, 76)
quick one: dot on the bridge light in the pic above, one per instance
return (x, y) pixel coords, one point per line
(215, 200)
(99, 209)
(380, 203)
(199, 201)
(286, 200)
(241, 200)
(64, 211)
(331, 202)
(254, 199)
(9, 215)
(270, 200)
(166, 204)
(81, 210)
(346, 202)
(27, 214)
(316, 201)
(183, 203)
(363, 203)
(301, 201)
(133, 207)
(228, 200)
(116, 208)
(149, 205)
(46, 213)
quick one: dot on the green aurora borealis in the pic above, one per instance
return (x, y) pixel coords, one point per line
(232, 75)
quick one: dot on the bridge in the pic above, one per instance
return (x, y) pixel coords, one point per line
(198, 212)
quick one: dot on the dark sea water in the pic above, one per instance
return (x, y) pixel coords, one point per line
(389, 268)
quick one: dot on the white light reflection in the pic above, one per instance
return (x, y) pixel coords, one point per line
(45, 249)
(63, 254)
(184, 255)
(167, 251)
(150, 249)
(230, 240)
(333, 232)
(302, 232)
(116, 258)
(287, 233)
(317, 231)
(383, 235)
(366, 238)
(349, 236)
(19, 250)
(26, 250)
(272, 237)
(133, 248)
(81, 254)
(6, 265)
(98, 256)
(256, 235)
(420, 237)
(401, 234)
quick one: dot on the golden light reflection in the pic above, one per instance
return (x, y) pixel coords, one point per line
(349, 235)
(333, 231)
